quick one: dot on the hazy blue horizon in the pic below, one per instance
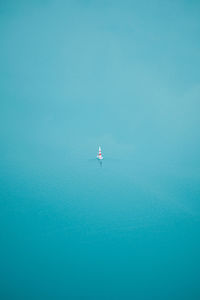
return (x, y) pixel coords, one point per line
(75, 75)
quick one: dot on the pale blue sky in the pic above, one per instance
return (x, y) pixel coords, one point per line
(124, 73)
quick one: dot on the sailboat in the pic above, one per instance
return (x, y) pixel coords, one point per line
(99, 156)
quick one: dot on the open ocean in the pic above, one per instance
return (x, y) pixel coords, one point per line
(123, 75)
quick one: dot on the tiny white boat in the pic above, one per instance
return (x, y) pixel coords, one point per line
(99, 156)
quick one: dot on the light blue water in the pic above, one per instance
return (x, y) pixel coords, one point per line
(76, 75)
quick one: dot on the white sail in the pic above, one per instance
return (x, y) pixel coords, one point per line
(99, 156)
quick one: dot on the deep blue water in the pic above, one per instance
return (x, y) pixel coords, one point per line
(79, 231)
(75, 75)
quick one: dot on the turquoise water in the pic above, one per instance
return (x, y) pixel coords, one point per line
(76, 75)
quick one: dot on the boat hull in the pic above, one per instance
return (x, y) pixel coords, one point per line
(99, 158)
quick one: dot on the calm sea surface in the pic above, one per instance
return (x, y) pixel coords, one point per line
(123, 75)
(81, 231)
